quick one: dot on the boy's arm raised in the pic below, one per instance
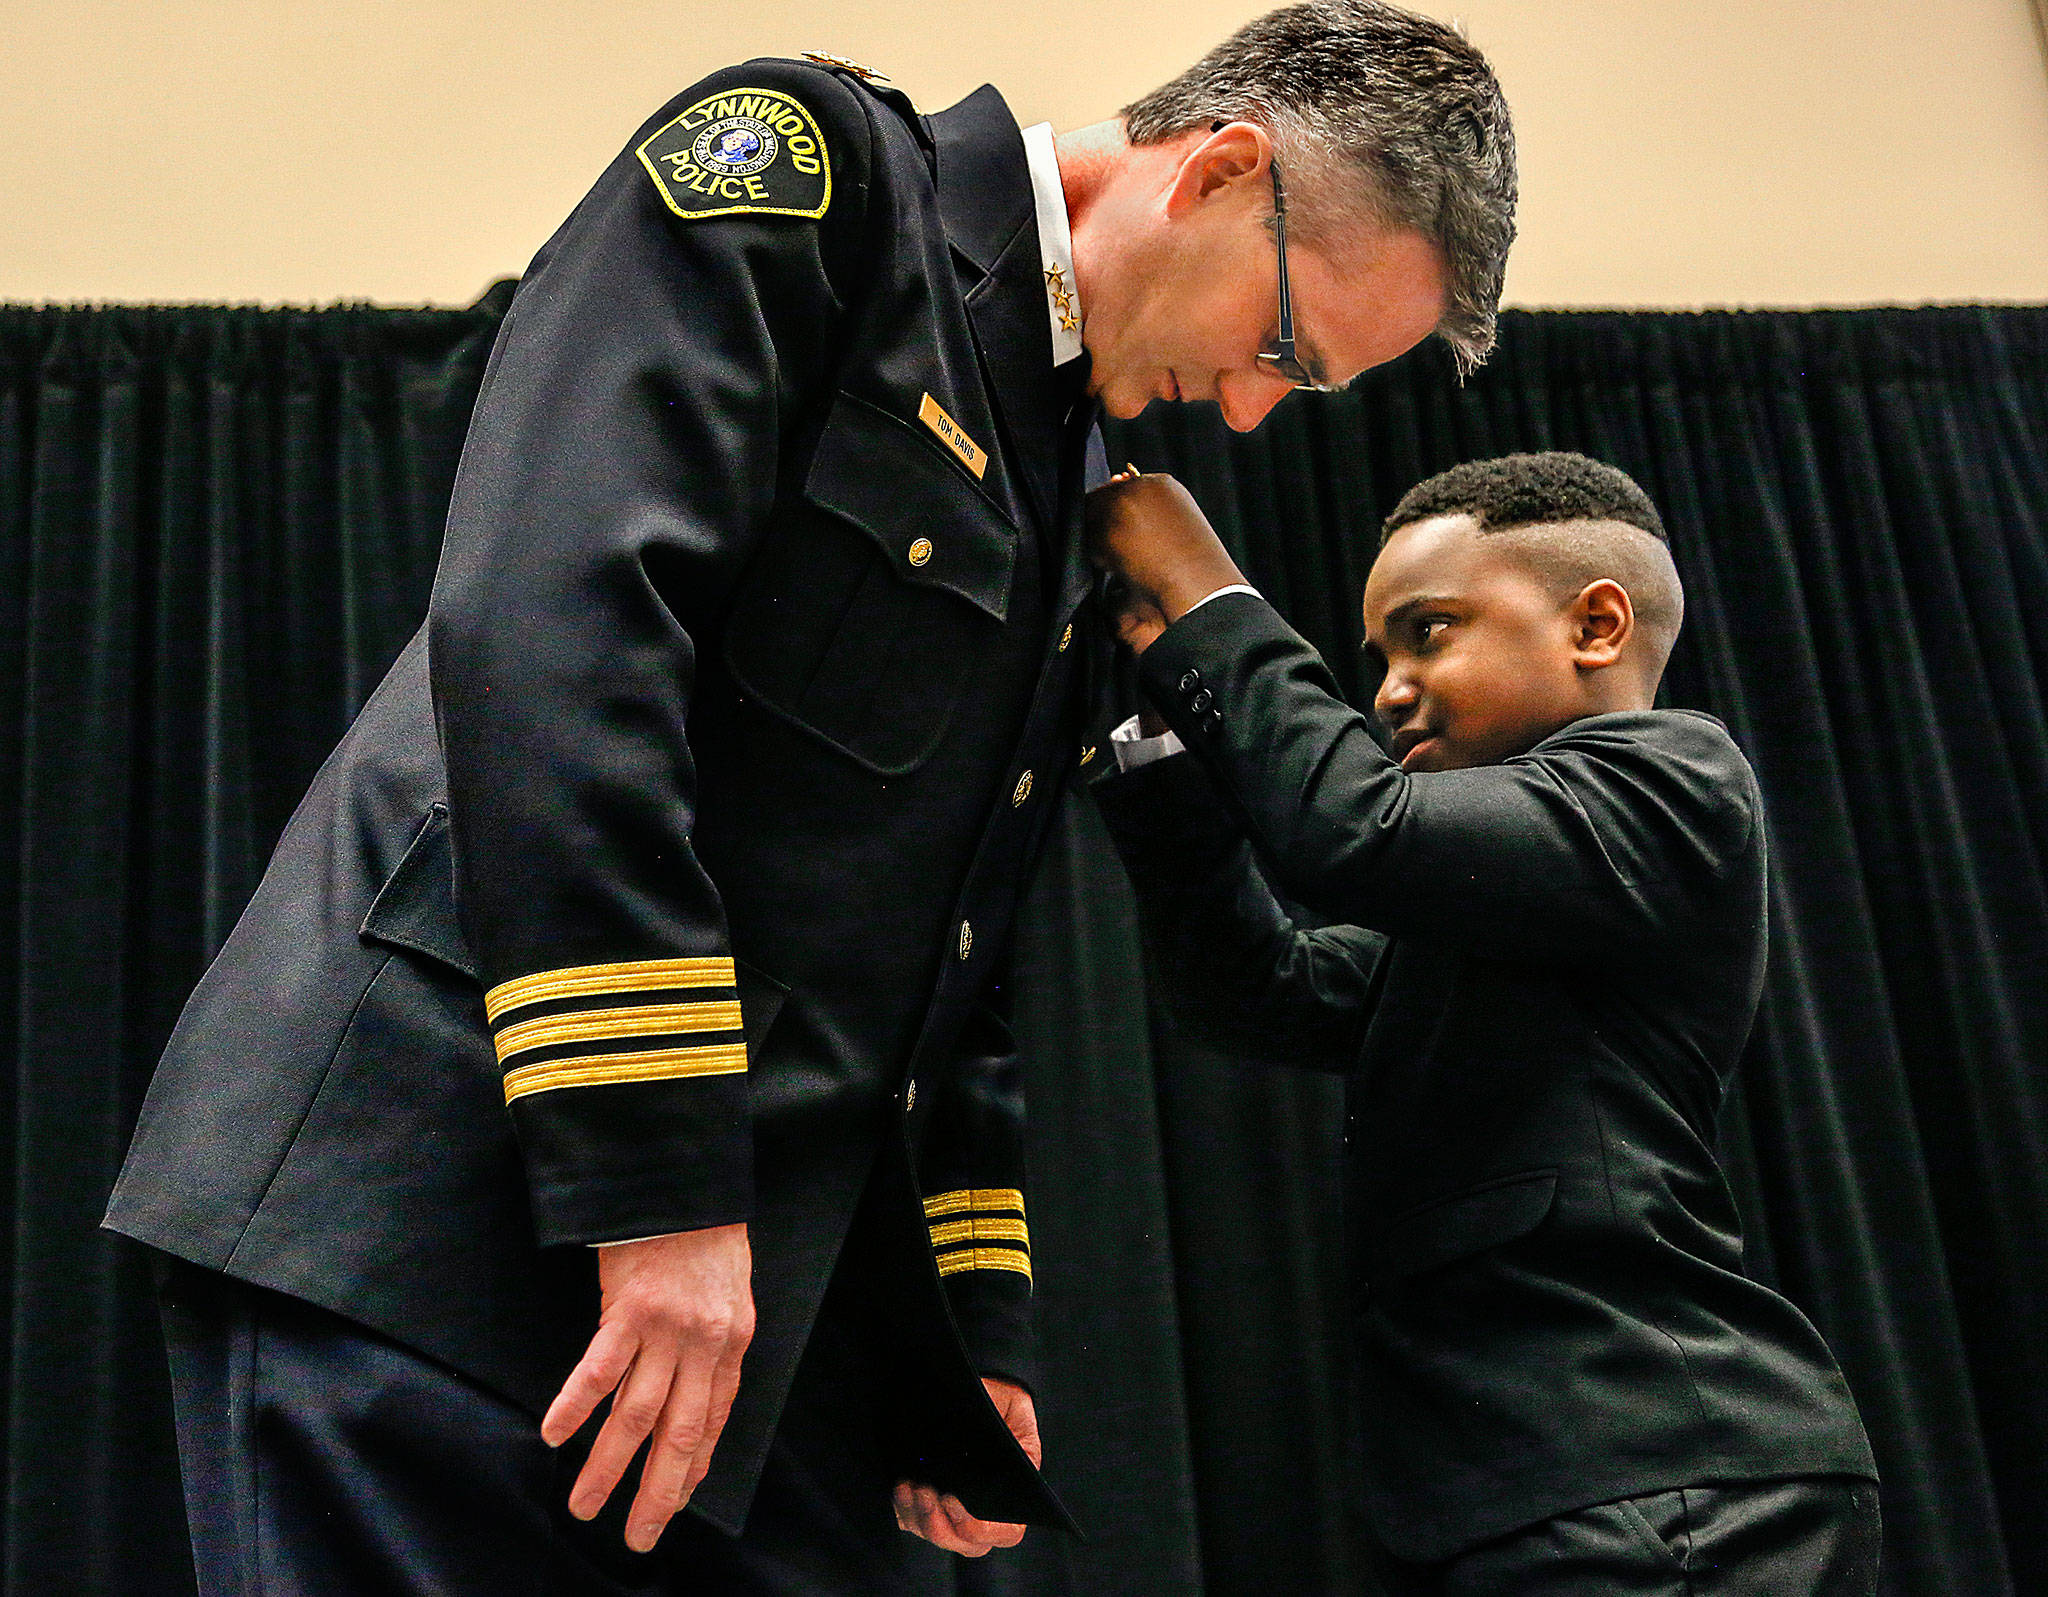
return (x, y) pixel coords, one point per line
(1237, 968)
(1583, 851)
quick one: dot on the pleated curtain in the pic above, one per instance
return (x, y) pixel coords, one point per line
(217, 526)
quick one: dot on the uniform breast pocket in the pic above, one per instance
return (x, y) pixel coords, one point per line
(863, 616)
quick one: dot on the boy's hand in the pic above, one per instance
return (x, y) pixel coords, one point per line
(1149, 534)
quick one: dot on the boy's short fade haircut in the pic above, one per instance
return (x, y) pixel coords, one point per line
(1529, 491)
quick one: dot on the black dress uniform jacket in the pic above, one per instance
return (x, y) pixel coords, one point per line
(1563, 959)
(664, 881)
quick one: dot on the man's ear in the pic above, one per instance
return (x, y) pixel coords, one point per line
(1603, 624)
(1237, 152)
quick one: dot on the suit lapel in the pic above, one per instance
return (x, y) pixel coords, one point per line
(984, 186)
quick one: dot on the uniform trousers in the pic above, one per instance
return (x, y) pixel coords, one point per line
(323, 1460)
(1811, 1536)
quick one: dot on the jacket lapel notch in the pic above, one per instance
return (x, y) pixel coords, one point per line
(991, 222)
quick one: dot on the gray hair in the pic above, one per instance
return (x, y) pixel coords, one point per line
(1376, 114)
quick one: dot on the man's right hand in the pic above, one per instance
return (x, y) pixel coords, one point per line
(678, 1315)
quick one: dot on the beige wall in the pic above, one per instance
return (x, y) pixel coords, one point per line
(1674, 152)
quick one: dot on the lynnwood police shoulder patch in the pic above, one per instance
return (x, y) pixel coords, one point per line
(741, 150)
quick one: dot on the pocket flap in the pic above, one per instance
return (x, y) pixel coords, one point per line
(1469, 1222)
(415, 908)
(938, 528)
(761, 1000)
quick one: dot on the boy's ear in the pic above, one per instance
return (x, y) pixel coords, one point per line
(1603, 624)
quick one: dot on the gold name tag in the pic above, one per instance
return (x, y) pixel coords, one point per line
(953, 436)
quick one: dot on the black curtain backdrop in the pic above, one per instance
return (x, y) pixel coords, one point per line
(218, 525)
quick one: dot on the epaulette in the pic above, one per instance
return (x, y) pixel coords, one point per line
(826, 58)
(882, 88)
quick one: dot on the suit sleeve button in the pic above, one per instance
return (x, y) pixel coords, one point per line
(1212, 723)
(1190, 680)
(1201, 701)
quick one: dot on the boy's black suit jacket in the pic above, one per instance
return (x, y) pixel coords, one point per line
(1538, 976)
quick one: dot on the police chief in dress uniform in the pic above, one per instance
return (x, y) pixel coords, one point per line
(625, 998)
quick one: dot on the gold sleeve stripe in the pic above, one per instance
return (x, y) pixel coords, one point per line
(985, 1259)
(594, 1025)
(607, 1070)
(590, 981)
(973, 1198)
(980, 1228)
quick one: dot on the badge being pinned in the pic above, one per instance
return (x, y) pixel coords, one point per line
(741, 150)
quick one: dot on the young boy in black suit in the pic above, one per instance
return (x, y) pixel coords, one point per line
(1544, 951)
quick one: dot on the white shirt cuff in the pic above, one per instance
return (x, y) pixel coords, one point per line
(1235, 587)
(1133, 749)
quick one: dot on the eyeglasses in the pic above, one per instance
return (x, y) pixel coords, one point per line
(1283, 359)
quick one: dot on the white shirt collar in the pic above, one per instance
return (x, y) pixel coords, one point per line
(1055, 244)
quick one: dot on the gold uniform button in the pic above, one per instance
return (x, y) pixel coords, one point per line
(1023, 791)
(1066, 637)
(966, 939)
(921, 552)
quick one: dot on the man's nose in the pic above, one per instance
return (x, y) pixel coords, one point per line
(1248, 398)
